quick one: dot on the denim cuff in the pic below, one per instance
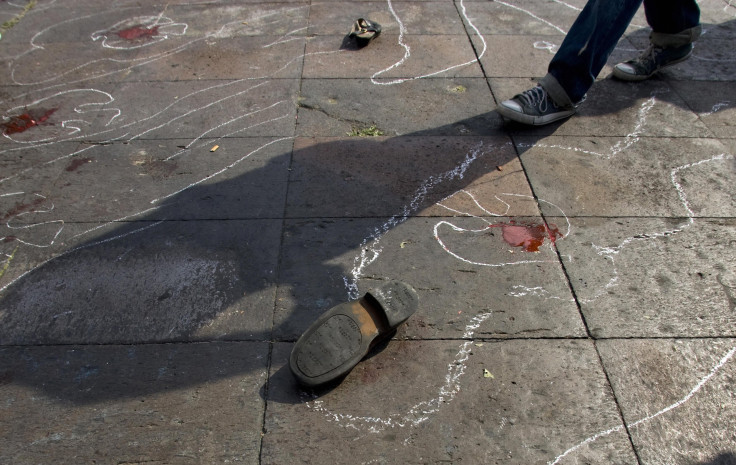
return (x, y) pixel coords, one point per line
(679, 39)
(556, 91)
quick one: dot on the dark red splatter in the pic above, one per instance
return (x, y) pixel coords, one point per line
(529, 236)
(76, 163)
(23, 207)
(136, 32)
(9, 238)
(26, 121)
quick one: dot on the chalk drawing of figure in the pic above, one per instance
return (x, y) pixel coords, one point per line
(45, 137)
(111, 44)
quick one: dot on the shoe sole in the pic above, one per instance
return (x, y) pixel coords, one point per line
(343, 336)
(624, 76)
(532, 120)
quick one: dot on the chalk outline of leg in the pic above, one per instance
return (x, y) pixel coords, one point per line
(407, 51)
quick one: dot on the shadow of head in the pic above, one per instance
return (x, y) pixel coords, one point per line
(724, 458)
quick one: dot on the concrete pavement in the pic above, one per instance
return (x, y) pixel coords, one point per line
(186, 186)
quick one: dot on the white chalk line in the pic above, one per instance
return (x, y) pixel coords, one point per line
(91, 244)
(610, 252)
(157, 114)
(32, 168)
(628, 141)
(422, 411)
(407, 51)
(137, 61)
(703, 381)
(221, 171)
(514, 7)
(177, 29)
(370, 249)
(231, 121)
(82, 108)
(717, 107)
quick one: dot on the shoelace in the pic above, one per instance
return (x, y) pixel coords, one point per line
(650, 54)
(535, 97)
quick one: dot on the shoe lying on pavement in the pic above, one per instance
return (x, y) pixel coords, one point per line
(651, 61)
(343, 335)
(534, 107)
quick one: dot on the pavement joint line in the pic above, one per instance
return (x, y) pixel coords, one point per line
(484, 339)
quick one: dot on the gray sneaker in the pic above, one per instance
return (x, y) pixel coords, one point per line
(534, 107)
(651, 61)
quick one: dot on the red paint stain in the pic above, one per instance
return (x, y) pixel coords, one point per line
(22, 208)
(26, 121)
(76, 163)
(136, 32)
(529, 236)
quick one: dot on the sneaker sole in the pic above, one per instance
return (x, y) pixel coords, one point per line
(624, 76)
(533, 120)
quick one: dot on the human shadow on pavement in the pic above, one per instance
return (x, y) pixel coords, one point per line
(170, 276)
(725, 458)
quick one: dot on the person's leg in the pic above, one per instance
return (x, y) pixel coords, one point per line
(575, 66)
(673, 22)
(586, 48)
(675, 26)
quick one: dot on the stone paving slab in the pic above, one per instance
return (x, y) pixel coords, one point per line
(331, 176)
(386, 61)
(529, 18)
(653, 277)
(177, 403)
(196, 183)
(713, 103)
(634, 176)
(180, 281)
(105, 112)
(417, 18)
(514, 414)
(675, 396)
(121, 25)
(172, 60)
(474, 270)
(336, 107)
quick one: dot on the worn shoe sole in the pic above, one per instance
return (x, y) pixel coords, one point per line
(532, 120)
(343, 336)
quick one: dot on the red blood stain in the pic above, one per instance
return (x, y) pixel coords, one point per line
(24, 122)
(9, 238)
(528, 236)
(22, 207)
(76, 163)
(136, 32)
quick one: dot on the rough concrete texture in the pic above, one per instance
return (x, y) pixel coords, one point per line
(186, 186)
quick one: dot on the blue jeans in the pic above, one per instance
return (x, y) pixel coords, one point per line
(596, 32)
